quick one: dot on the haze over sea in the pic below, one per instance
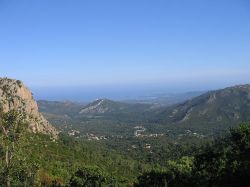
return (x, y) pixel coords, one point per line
(83, 50)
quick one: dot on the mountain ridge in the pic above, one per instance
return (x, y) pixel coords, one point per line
(228, 107)
(104, 106)
(14, 95)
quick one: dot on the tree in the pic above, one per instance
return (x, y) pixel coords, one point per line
(90, 177)
(238, 159)
(11, 128)
(226, 162)
(176, 174)
(222, 163)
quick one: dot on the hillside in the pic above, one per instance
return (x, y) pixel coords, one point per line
(14, 95)
(105, 106)
(212, 111)
(64, 108)
(102, 116)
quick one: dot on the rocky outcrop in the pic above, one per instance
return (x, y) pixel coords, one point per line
(100, 106)
(15, 95)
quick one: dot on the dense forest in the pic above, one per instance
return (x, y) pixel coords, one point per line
(108, 143)
(29, 159)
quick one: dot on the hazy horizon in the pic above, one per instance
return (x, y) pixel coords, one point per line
(83, 50)
(120, 93)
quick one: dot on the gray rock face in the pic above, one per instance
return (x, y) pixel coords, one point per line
(97, 107)
(15, 95)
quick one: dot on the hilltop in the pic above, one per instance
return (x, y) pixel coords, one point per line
(213, 111)
(14, 95)
(106, 106)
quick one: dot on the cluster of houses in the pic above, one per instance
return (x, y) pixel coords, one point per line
(146, 146)
(190, 133)
(139, 133)
(73, 133)
(91, 136)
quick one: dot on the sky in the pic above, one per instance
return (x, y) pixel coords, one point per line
(82, 49)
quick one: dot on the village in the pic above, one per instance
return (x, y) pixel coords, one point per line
(140, 130)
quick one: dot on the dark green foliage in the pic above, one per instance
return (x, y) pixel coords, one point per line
(15, 170)
(56, 163)
(90, 177)
(177, 173)
(22, 173)
(225, 163)
(69, 162)
(210, 113)
(240, 141)
(153, 178)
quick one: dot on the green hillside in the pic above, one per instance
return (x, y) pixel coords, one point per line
(211, 112)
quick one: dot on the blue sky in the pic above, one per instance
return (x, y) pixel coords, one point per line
(140, 45)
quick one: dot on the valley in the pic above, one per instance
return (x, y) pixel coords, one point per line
(209, 114)
(124, 93)
(121, 142)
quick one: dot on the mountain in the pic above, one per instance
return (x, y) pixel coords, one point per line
(102, 116)
(209, 113)
(15, 95)
(212, 111)
(65, 108)
(101, 106)
(105, 106)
